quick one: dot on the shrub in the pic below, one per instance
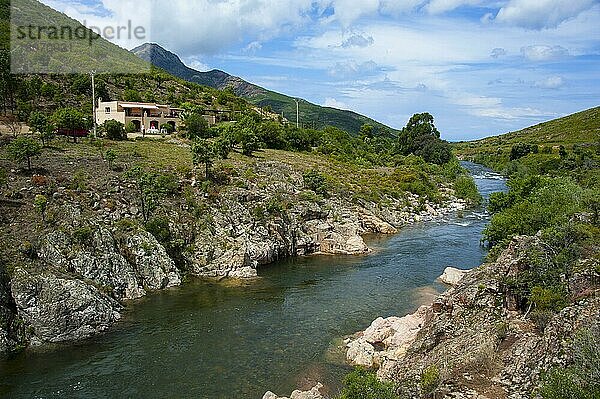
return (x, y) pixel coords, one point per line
(553, 298)
(362, 384)
(115, 130)
(430, 380)
(465, 188)
(130, 127)
(167, 128)
(159, 228)
(40, 203)
(315, 181)
(83, 234)
(110, 156)
(582, 379)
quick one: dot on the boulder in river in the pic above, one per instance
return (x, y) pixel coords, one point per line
(452, 276)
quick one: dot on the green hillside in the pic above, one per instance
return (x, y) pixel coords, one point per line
(61, 55)
(575, 133)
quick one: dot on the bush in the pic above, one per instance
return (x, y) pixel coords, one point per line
(159, 228)
(115, 130)
(430, 380)
(582, 379)
(362, 384)
(315, 181)
(130, 127)
(465, 188)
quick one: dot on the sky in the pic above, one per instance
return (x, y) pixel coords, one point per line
(479, 67)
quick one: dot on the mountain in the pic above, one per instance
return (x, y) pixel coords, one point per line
(311, 115)
(75, 49)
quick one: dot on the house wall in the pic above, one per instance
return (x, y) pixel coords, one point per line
(103, 116)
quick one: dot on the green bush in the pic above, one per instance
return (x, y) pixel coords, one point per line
(465, 188)
(582, 379)
(130, 127)
(114, 130)
(430, 380)
(363, 384)
(315, 181)
(159, 228)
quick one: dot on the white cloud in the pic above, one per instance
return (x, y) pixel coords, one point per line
(541, 14)
(333, 103)
(544, 53)
(358, 40)
(253, 47)
(441, 6)
(552, 82)
(350, 69)
(197, 64)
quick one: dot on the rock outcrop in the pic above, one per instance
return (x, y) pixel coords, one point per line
(312, 394)
(59, 308)
(93, 252)
(476, 341)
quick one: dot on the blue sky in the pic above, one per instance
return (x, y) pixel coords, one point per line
(480, 67)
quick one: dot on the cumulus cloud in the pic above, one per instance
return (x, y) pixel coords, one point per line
(253, 47)
(541, 14)
(498, 52)
(333, 103)
(350, 69)
(358, 40)
(544, 53)
(552, 82)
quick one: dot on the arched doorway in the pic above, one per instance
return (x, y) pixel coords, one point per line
(137, 124)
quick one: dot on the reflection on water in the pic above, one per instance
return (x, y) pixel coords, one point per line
(279, 332)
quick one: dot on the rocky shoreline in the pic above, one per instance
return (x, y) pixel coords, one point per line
(81, 270)
(472, 341)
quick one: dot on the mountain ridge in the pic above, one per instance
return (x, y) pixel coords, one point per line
(313, 115)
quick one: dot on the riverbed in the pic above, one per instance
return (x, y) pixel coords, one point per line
(240, 339)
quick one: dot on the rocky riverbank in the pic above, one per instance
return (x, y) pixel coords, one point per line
(90, 253)
(473, 342)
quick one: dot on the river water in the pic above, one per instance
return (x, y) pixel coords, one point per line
(238, 340)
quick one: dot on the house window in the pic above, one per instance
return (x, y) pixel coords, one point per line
(107, 110)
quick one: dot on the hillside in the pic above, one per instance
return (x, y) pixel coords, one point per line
(82, 57)
(573, 132)
(312, 115)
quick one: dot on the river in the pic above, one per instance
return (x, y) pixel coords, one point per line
(238, 340)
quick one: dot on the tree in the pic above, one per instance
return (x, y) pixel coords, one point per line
(132, 95)
(151, 188)
(23, 149)
(203, 152)
(418, 125)
(70, 119)
(520, 150)
(39, 124)
(366, 131)
(115, 130)
(196, 126)
(222, 147)
(420, 137)
(249, 141)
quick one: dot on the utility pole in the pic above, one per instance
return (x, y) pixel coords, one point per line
(94, 103)
(297, 113)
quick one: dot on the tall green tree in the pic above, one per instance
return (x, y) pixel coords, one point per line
(41, 126)
(196, 126)
(70, 119)
(203, 153)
